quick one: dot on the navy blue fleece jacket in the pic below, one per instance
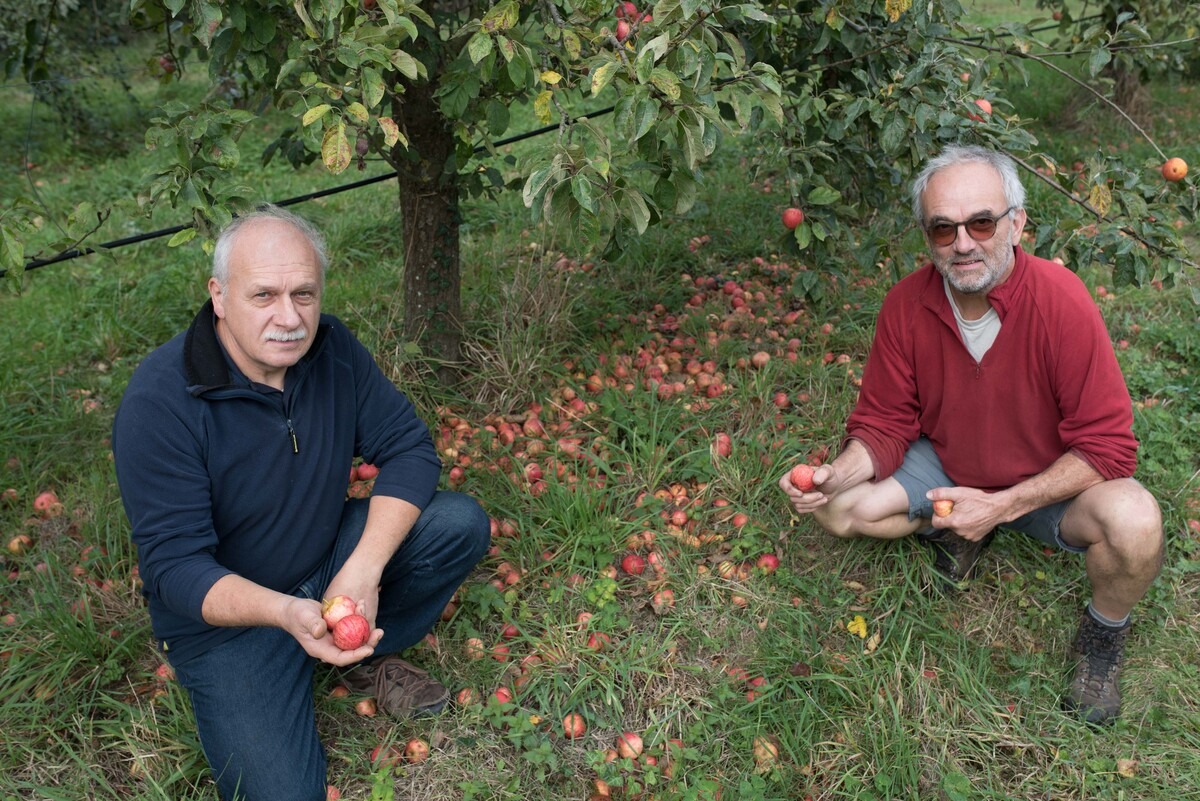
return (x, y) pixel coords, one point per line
(222, 476)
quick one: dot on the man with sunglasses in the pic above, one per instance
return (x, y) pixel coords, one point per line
(992, 383)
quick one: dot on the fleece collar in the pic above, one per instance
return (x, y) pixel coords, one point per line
(204, 361)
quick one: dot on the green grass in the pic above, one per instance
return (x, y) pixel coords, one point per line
(951, 698)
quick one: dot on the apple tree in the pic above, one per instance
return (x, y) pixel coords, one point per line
(425, 85)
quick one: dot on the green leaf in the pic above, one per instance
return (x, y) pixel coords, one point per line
(802, 234)
(12, 252)
(406, 65)
(479, 47)
(636, 210)
(1099, 58)
(823, 196)
(181, 237)
(501, 17)
(581, 189)
(373, 87)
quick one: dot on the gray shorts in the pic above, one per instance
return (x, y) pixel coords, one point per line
(922, 471)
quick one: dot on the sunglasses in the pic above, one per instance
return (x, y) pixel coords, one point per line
(981, 228)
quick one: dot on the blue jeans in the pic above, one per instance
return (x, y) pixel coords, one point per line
(252, 695)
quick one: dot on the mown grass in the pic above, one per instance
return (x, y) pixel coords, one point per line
(944, 697)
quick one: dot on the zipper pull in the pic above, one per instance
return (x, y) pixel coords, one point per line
(292, 434)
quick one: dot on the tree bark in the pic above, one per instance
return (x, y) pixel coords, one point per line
(428, 188)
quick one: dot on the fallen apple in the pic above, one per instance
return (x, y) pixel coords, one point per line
(629, 745)
(573, 725)
(416, 750)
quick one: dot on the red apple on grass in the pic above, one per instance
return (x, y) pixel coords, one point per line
(574, 725)
(629, 745)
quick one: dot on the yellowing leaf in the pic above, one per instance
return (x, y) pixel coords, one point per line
(1127, 767)
(391, 132)
(315, 113)
(895, 8)
(873, 643)
(541, 107)
(335, 148)
(1100, 198)
(551, 77)
(858, 626)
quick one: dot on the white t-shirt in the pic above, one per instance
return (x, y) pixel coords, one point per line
(977, 334)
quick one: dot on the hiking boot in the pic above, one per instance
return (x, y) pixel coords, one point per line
(400, 689)
(1098, 652)
(954, 557)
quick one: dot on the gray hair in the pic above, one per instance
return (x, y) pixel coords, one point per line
(1002, 163)
(268, 211)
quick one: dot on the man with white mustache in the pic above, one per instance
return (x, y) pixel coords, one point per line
(992, 383)
(233, 447)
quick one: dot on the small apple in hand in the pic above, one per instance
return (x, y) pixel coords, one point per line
(335, 608)
(802, 477)
(943, 508)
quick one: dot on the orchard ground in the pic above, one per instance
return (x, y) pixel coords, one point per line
(643, 407)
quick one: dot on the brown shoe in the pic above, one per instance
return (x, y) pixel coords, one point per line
(954, 557)
(1098, 652)
(401, 690)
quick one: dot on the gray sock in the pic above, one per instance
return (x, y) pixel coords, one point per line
(1104, 621)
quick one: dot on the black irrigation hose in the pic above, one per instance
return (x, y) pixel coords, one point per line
(75, 253)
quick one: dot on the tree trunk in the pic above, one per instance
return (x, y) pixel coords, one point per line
(428, 187)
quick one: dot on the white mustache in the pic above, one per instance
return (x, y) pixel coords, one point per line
(286, 336)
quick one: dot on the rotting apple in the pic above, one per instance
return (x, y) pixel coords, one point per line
(416, 750)
(573, 725)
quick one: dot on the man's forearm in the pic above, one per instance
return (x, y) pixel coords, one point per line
(237, 601)
(388, 522)
(1065, 478)
(854, 464)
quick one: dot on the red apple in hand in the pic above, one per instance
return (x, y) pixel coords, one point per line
(943, 508)
(351, 632)
(802, 477)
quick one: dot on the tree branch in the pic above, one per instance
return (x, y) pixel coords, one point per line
(1100, 216)
(1083, 84)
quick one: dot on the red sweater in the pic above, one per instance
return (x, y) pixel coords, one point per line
(1049, 385)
